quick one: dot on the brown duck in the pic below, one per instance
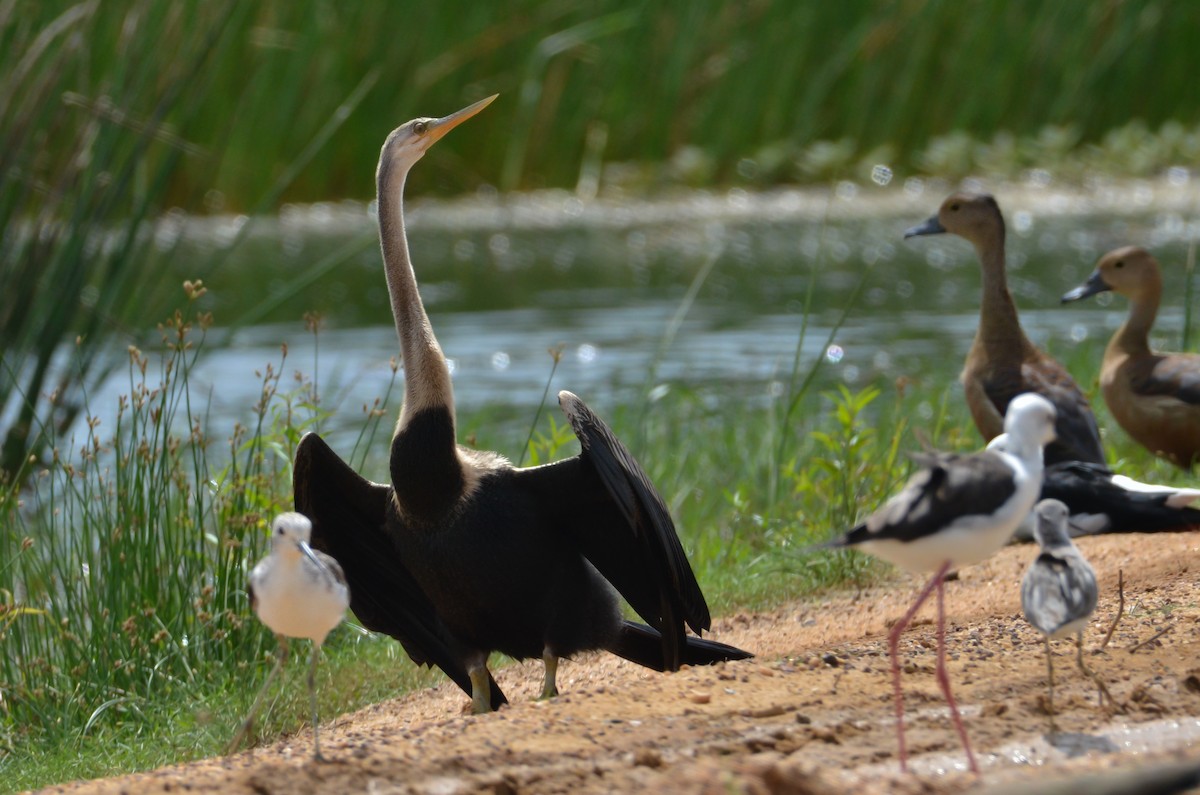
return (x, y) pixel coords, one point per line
(1003, 363)
(1154, 396)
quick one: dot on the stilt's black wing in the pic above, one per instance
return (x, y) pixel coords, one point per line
(349, 515)
(1089, 490)
(624, 529)
(947, 487)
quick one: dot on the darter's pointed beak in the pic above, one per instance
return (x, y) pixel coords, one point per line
(440, 127)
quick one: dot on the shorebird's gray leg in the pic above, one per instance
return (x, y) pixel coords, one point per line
(1050, 686)
(1095, 677)
(280, 661)
(312, 696)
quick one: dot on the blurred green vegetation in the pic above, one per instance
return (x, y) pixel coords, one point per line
(753, 91)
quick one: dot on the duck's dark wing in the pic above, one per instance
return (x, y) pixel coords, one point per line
(1076, 432)
(349, 515)
(607, 503)
(948, 487)
(1172, 374)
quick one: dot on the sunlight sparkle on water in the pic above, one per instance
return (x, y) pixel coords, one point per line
(834, 354)
(1039, 177)
(881, 175)
(499, 244)
(500, 360)
(587, 353)
(464, 250)
(1022, 221)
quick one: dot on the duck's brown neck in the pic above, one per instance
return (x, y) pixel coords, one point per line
(426, 376)
(1134, 335)
(999, 326)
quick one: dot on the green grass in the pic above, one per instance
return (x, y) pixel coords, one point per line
(355, 670)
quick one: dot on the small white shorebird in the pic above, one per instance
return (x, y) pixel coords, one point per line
(958, 510)
(297, 592)
(1059, 593)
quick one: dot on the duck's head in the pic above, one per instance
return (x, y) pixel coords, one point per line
(1130, 271)
(973, 216)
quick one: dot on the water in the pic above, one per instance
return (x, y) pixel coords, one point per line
(506, 280)
(1132, 741)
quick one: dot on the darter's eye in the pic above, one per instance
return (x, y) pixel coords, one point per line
(420, 128)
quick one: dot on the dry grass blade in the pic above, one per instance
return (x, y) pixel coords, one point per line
(1120, 608)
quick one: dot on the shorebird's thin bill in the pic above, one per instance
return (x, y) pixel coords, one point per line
(308, 552)
(439, 127)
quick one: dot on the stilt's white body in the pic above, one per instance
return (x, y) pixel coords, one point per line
(972, 538)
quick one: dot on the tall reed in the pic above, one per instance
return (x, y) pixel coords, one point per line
(87, 156)
(126, 555)
(123, 560)
(760, 91)
(102, 108)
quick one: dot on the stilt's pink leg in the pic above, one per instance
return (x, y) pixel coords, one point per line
(944, 679)
(894, 651)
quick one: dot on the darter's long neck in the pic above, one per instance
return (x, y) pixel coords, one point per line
(426, 375)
